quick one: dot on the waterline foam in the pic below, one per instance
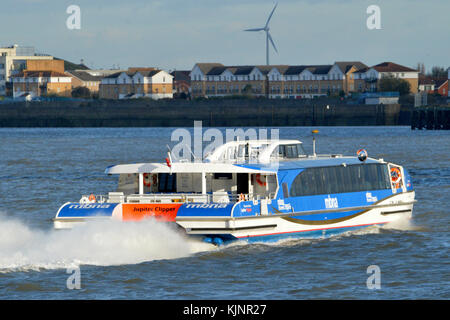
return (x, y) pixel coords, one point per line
(98, 243)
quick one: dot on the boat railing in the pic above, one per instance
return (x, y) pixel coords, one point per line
(215, 197)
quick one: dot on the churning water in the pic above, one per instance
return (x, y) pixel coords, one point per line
(40, 169)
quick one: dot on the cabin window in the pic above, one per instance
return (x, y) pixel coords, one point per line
(285, 190)
(241, 151)
(340, 179)
(223, 176)
(291, 151)
(288, 151)
(167, 182)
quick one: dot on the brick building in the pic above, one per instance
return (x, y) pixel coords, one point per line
(137, 83)
(41, 83)
(274, 81)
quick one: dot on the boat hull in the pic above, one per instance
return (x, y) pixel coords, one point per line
(72, 214)
(275, 227)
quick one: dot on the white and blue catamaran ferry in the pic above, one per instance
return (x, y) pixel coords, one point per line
(255, 190)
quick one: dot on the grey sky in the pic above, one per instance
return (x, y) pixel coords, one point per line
(175, 34)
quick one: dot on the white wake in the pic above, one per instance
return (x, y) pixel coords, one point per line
(96, 243)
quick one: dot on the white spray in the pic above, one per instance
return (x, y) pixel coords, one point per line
(97, 243)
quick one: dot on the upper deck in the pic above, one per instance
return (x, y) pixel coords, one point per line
(261, 151)
(248, 169)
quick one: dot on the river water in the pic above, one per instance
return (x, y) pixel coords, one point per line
(40, 169)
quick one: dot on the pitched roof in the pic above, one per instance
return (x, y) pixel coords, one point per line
(440, 82)
(206, 67)
(265, 69)
(134, 69)
(320, 69)
(84, 76)
(293, 70)
(218, 69)
(314, 69)
(281, 68)
(114, 75)
(215, 71)
(243, 70)
(236, 70)
(40, 74)
(425, 80)
(144, 73)
(181, 75)
(345, 66)
(392, 67)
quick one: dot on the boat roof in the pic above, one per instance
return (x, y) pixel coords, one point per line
(310, 162)
(262, 141)
(258, 150)
(183, 167)
(198, 167)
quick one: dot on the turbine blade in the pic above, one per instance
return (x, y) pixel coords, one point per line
(270, 16)
(255, 29)
(271, 41)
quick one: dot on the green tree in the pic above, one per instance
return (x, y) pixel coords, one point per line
(438, 72)
(390, 83)
(81, 92)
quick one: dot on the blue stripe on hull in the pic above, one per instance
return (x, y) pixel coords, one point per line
(78, 210)
(313, 234)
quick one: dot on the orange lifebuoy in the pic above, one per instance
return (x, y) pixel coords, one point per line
(241, 197)
(258, 179)
(396, 176)
(147, 181)
(92, 198)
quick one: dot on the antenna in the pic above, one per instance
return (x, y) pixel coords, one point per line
(268, 36)
(314, 142)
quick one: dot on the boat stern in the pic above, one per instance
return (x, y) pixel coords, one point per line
(71, 214)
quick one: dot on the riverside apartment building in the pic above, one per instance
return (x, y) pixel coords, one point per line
(137, 83)
(294, 81)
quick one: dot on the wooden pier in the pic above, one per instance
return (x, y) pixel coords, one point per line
(431, 118)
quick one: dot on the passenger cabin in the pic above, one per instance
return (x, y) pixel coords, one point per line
(225, 175)
(248, 170)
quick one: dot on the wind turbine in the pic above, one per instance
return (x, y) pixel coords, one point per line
(268, 37)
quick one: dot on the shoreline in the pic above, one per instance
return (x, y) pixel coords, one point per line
(213, 113)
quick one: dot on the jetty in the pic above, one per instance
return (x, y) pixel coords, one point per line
(431, 118)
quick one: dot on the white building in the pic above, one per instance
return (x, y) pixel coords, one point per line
(368, 79)
(137, 83)
(13, 60)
